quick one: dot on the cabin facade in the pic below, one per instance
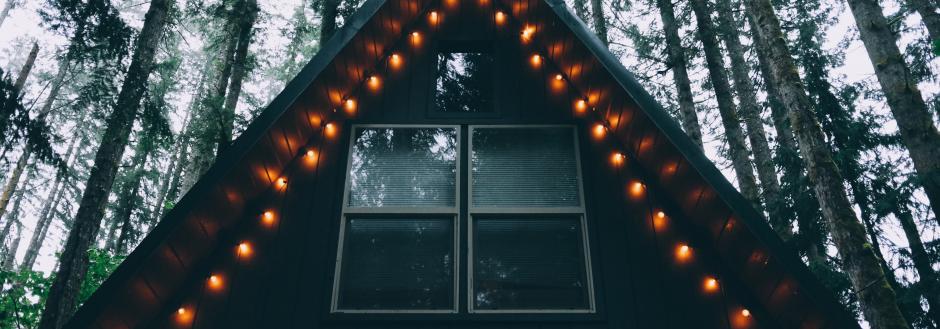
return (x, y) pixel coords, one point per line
(463, 164)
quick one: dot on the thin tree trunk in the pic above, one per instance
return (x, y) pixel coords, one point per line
(750, 112)
(928, 277)
(62, 298)
(5, 12)
(329, 9)
(737, 148)
(878, 300)
(177, 162)
(13, 182)
(904, 98)
(248, 14)
(10, 257)
(7, 108)
(928, 13)
(599, 20)
(675, 53)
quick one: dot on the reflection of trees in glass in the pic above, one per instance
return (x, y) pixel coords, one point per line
(398, 264)
(403, 167)
(464, 82)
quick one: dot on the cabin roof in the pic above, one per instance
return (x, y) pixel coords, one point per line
(147, 283)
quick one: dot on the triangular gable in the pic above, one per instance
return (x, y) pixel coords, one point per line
(668, 172)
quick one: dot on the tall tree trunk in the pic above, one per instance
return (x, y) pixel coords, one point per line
(5, 12)
(174, 169)
(750, 112)
(929, 281)
(62, 298)
(599, 20)
(737, 148)
(247, 14)
(13, 182)
(928, 13)
(328, 11)
(915, 123)
(878, 300)
(675, 53)
(10, 256)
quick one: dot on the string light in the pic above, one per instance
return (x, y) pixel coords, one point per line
(636, 188)
(395, 61)
(350, 106)
(527, 32)
(281, 182)
(746, 313)
(580, 105)
(244, 249)
(559, 77)
(267, 217)
(374, 83)
(599, 130)
(710, 284)
(415, 38)
(683, 252)
(330, 129)
(617, 158)
(500, 17)
(183, 315)
(433, 17)
(536, 60)
(215, 282)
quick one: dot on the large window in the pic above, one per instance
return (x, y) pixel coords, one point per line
(525, 230)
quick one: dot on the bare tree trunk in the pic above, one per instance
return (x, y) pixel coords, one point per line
(915, 123)
(127, 198)
(929, 281)
(177, 162)
(750, 112)
(10, 187)
(599, 20)
(737, 148)
(928, 13)
(878, 300)
(10, 256)
(5, 12)
(675, 53)
(7, 108)
(62, 298)
(247, 14)
(328, 11)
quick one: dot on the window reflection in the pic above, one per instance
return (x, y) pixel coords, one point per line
(403, 167)
(464, 82)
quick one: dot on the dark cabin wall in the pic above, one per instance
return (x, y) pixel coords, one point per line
(287, 281)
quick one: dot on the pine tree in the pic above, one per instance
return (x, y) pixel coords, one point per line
(599, 20)
(859, 262)
(73, 263)
(677, 63)
(734, 135)
(904, 98)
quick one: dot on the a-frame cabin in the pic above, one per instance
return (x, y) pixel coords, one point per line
(463, 164)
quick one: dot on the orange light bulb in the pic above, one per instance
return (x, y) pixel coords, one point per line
(746, 313)
(580, 106)
(683, 252)
(559, 77)
(415, 38)
(181, 311)
(617, 158)
(500, 17)
(395, 61)
(281, 182)
(267, 217)
(330, 129)
(244, 249)
(215, 282)
(527, 32)
(660, 214)
(374, 83)
(536, 60)
(599, 130)
(350, 106)
(636, 188)
(433, 17)
(711, 284)
(311, 154)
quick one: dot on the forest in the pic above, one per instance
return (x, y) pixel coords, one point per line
(823, 113)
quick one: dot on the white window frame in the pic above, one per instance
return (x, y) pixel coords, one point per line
(579, 212)
(424, 212)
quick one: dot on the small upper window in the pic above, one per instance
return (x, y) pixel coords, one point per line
(464, 82)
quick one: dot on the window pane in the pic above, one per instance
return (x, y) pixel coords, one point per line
(464, 82)
(524, 167)
(526, 264)
(397, 264)
(403, 167)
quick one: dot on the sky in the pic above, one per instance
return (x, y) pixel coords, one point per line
(25, 25)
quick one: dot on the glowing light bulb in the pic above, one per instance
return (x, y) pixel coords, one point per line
(536, 60)
(350, 106)
(617, 158)
(433, 17)
(711, 284)
(374, 83)
(267, 217)
(527, 32)
(330, 129)
(215, 282)
(683, 252)
(746, 313)
(599, 130)
(244, 249)
(580, 105)
(311, 154)
(636, 188)
(415, 38)
(281, 182)
(559, 77)
(500, 17)
(660, 214)
(181, 311)
(395, 60)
